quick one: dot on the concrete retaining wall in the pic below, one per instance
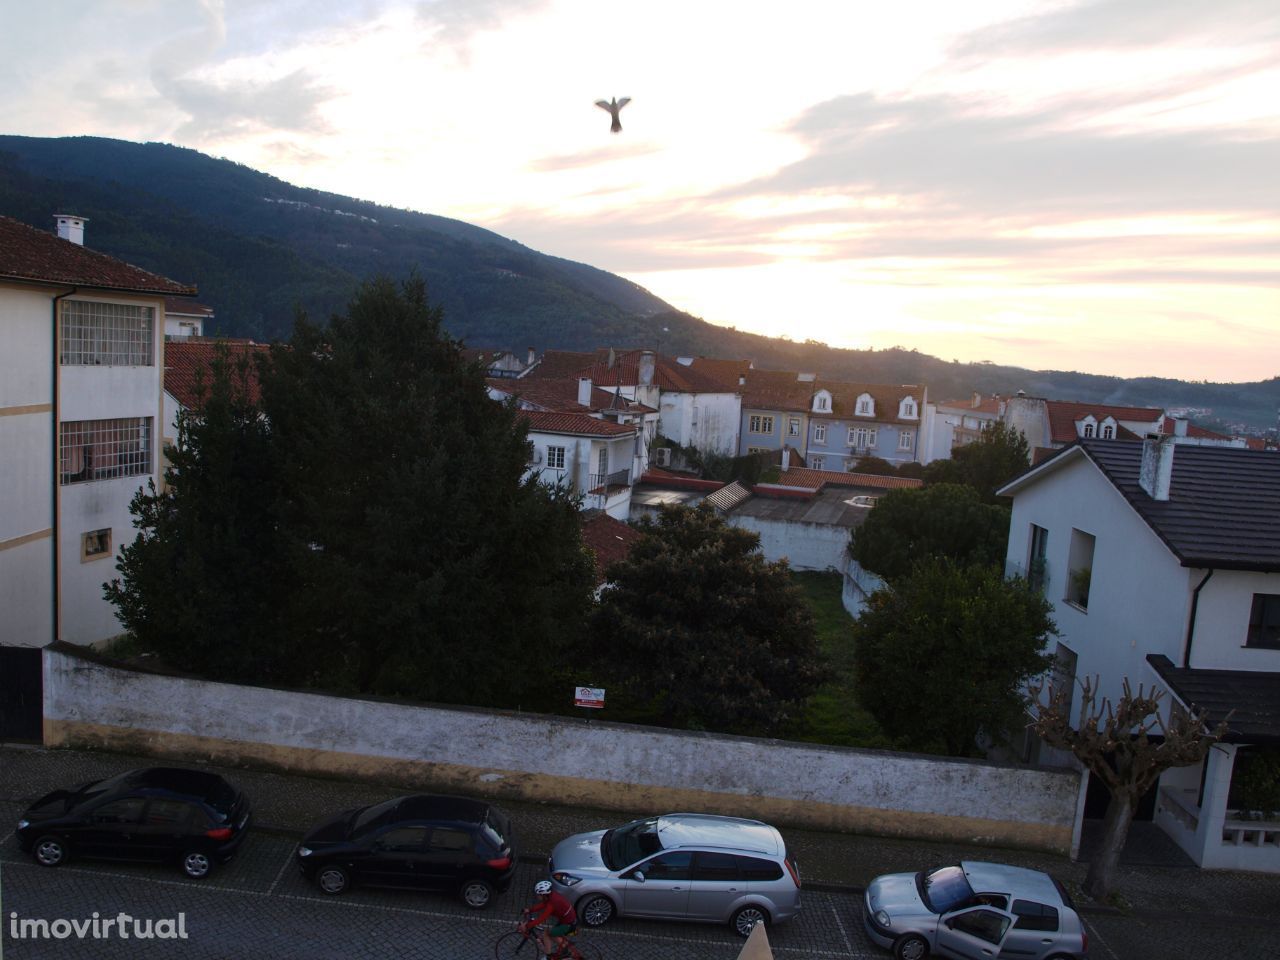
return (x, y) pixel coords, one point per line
(534, 757)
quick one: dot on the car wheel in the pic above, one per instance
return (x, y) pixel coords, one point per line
(196, 864)
(595, 910)
(332, 880)
(911, 947)
(477, 894)
(50, 852)
(744, 920)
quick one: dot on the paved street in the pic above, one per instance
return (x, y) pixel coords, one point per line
(258, 906)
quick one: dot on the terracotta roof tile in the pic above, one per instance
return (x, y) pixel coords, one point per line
(577, 424)
(561, 396)
(188, 363)
(1167, 427)
(781, 390)
(814, 479)
(39, 256)
(610, 541)
(668, 373)
(1063, 415)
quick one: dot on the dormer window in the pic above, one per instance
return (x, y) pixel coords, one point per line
(822, 402)
(1087, 426)
(1088, 430)
(1108, 429)
(866, 406)
(908, 409)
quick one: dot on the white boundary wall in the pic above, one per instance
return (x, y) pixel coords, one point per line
(536, 757)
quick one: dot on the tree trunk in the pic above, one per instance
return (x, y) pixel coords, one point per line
(1115, 829)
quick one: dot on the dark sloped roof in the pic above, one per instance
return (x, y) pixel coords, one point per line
(1251, 697)
(1223, 509)
(188, 367)
(41, 257)
(576, 424)
(668, 373)
(610, 541)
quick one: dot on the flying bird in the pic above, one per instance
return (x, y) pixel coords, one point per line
(614, 107)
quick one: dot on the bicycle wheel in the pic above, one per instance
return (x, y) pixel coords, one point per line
(515, 946)
(588, 951)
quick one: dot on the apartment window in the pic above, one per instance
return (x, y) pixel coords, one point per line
(754, 450)
(793, 426)
(1037, 571)
(1264, 621)
(907, 409)
(819, 463)
(1088, 429)
(107, 334)
(1108, 432)
(862, 437)
(822, 402)
(820, 433)
(104, 449)
(760, 424)
(866, 406)
(1080, 568)
(905, 439)
(555, 458)
(95, 545)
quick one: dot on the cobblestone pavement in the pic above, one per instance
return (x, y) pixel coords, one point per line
(258, 906)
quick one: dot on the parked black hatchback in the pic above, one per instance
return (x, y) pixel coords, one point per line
(450, 844)
(191, 817)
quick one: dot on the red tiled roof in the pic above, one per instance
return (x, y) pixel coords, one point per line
(814, 479)
(561, 396)
(189, 363)
(668, 374)
(984, 405)
(726, 372)
(188, 308)
(1167, 428)
(657, 477)
(578, 424)
(610, 541)
(781, 390)
(37, 255)
(1063, 415)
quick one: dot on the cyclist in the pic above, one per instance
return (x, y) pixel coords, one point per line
(554, 911)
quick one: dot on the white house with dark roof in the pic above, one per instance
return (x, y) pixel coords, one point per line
(1162, 562)
(81, 413)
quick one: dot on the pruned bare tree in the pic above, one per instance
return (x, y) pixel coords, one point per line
(1126, 745)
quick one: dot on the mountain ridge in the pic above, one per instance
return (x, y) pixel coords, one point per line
(257, 247)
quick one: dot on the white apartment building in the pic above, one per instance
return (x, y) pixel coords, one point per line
(81, 415)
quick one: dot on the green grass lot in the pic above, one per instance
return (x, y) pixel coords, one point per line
(832, 715)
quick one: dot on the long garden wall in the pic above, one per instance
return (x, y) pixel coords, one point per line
(89, 703)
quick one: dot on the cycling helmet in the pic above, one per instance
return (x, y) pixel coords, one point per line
(542, 887)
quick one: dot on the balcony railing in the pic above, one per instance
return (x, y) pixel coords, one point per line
(603, 484)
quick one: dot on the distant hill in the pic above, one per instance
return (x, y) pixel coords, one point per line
(258, 247)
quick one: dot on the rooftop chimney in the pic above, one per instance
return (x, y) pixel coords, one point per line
(70, 227)
(584, 391)
(645, 373)
(1179, 426)
(531, 357)
(976, 399)
(1156, 472)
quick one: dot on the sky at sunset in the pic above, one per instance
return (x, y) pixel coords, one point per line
(1058, 185)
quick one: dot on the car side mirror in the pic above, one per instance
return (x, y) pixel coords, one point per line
(638, 877)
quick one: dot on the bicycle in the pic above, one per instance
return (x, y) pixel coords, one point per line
(512, 946)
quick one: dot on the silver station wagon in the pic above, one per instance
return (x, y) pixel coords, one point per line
(684, 866)
(974, 910)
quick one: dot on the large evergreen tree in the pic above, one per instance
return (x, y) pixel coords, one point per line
(987, 464)
(701, 628)
(944, 520)
(428, 566)
(200, 583)
(943, 655)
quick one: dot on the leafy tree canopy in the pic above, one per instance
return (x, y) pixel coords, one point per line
(945, 520)
(697, 624)
(987, 464)
(942, 656)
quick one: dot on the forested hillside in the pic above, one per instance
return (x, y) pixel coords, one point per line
(258, 248)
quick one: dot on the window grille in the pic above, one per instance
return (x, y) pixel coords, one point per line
(104, 449)
(555, 458)
(107, 334)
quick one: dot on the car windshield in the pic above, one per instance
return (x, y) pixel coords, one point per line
(375, 816)
(944, 889)
(624, 846)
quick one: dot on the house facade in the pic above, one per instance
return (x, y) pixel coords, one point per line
(81, 414)
(590, 456)
(1162, 562)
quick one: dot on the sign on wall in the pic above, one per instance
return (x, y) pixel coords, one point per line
(589, 697)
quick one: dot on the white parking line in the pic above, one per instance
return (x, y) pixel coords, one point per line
(283, 867)
(840, 924)
(1095, 936)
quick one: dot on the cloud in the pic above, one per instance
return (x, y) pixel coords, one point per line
(456, 21)
(1123, 24)
(219, 108)
(591, 158)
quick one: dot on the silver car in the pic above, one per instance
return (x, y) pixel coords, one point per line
(685, 866)
(974, 910)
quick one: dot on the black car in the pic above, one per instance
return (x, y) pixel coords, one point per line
(450, 844)
(191, 817)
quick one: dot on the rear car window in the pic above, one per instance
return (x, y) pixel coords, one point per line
(716, 866)
(167, 813)
(450, 839)
(753, 868)
(1034, 916)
